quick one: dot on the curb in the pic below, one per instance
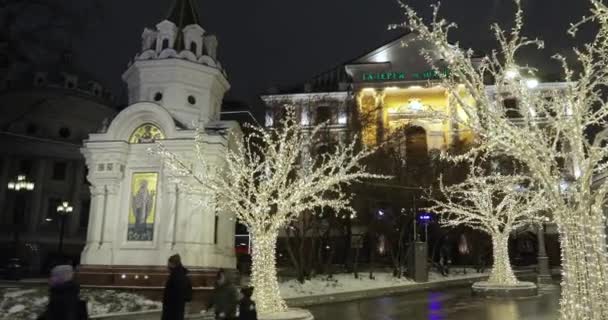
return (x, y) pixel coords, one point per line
(381, 292)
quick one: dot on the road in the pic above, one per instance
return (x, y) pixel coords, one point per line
(451, 304)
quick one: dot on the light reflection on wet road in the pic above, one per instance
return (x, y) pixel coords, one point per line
(451, 304)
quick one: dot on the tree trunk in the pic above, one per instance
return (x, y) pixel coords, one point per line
(584, 267)
(264, 273)
(502, 273)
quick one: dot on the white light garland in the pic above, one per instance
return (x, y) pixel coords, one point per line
(496, 205)
(552, 140)
(268, 181)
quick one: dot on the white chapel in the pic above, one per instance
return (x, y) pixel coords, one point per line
(139, 216)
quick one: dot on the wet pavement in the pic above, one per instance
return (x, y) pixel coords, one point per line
(450, 304)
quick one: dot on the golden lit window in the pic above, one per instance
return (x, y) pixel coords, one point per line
(146, 133)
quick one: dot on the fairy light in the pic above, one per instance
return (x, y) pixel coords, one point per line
(494, 204)
(267, 180)
(555, 138)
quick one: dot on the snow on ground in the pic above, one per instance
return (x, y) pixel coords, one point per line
(30, 303)
(341, 283)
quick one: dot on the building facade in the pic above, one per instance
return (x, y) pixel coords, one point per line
(45, 114)
(139, 215)
(390, 96)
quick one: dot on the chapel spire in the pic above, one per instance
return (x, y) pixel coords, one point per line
(183, 13)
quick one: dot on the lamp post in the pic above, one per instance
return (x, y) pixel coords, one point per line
(544, 276)
(20, 184)
(63, 211)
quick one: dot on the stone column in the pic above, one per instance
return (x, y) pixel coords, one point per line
(544, 274)
(173, 206)
(4, 179)
(36, 214)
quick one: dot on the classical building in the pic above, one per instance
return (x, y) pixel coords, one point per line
(388, 89)
(139, 216)
(45, 113)
(391, 95)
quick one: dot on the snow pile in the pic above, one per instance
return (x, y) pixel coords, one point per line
(29, 304)
(342, 283)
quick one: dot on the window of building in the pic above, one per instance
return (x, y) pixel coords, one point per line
(158, 96)
(165, 44)
(64, 132)
(59, 170)
(85, 207)
(25, 167)
(323, 114)
(191, 100)
(415, 143)
(193, 47)
(511, 106)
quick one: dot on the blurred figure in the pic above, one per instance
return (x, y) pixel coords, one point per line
(178, 290)
(64, 301)
(247, 310)
(224, 299)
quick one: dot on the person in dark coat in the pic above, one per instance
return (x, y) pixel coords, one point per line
(63, 295)
(224, 299)
(445, 259)
(247, 310)
(177, 290)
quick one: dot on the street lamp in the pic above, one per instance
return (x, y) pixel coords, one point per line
(543, 270)
(21, 184)
(63, 211)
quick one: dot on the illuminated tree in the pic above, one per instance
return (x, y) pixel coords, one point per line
(550, 136)
(494, 204)
(268, 181)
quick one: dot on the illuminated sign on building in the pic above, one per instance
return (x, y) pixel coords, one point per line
(397, 76)
(384, 76)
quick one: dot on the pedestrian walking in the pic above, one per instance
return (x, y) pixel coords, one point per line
(178, 290)
(64, 296)
(224, 299)
(445, 258)
(247, 310)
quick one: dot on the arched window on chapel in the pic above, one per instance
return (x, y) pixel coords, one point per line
(146, 133)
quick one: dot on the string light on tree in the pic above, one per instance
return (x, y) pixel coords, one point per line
(268, 181)
(547, 141)
(495, 204)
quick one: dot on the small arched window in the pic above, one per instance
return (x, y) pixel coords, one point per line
(165, 44)
(193, 47)
(511, 106)
(158, 96)
(146, 133)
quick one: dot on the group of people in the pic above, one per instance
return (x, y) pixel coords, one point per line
(225, 301)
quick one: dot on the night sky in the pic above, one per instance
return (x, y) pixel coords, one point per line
(282, 42)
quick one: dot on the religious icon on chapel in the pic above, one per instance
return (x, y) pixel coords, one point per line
(142, 213)
(146, 133)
